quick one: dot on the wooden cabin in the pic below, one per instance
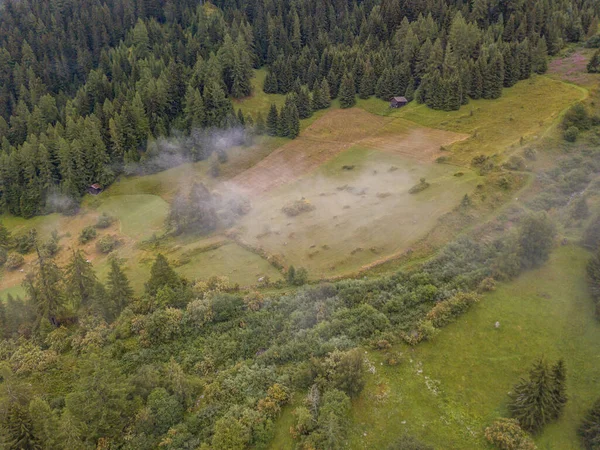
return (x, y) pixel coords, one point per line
(95, 189)
(398, 102)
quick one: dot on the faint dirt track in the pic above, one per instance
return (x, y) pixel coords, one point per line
(335, 132)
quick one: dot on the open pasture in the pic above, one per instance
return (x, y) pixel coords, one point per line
(362, 211)
(335, 132)
(447, 391)
(494, 127)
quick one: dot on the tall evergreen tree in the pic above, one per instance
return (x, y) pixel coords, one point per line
(347, 92)
(161, 275)
(272, 121)
(120, 292)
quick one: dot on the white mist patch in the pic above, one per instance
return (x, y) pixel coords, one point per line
(362, 211)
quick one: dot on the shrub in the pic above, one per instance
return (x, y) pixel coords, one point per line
(593, 42)
(571, 134)
(297, 207)
(25, 243)
(88, 234)
(448, 311)
(419, 187)
(107, 244)
(507, 434)
(576, 116)
(104, 221)
(536, 237)
(14, 261)
(515, 163)
(530, 154)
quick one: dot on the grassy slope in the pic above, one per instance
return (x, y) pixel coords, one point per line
(494, 126)
(356, 229)
(472, 365)
(446, 392)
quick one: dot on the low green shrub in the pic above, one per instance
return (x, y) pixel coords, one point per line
(14, 261)
(419, 187)
(507, 434)
(448, 311)
(88, 234)
(107, 244)
(571, 134)
(104, 221)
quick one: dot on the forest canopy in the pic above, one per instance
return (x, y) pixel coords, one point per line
(87, 87)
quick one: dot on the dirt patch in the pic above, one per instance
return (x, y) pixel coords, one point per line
(408, 139)
(335, 132)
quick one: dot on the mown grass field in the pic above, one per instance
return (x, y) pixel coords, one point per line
(525, 110)
(447, 391)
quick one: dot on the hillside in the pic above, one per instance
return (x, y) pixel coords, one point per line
(272, 256)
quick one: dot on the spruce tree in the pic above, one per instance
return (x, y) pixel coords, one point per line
(119, 290)
(80, 280)
(533, 402)
(19, 428)
(259, 125)
(367, 83)
(303, 104)
(5, 237)
(293, 121)
(559, 377)
(161, 275)
(347, 92)
(325, 100)
(273, 121)
(594, 64)
(589, 430)
(593, 273)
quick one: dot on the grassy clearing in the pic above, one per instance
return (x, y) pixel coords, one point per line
(447, 391)
(493, 126)
(361, 215)
(140, 216)
(259, 102)
(230, 260)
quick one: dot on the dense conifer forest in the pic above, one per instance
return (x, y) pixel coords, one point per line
(87, 88)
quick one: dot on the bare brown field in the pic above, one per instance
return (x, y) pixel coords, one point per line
(335, 132)
(405, 138)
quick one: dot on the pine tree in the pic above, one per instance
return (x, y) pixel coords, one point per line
(559, 377)
(589, 430)
(325, 100)
(19, 429)
(367, 83)
(594, 64)
(80, 281)
(347, 92)
(272, 121)
(161, 275)
(303, 104)
(260, 126)
(119, 292)
(5, 236)
(293, 121)
(593, 273)
(533, 402)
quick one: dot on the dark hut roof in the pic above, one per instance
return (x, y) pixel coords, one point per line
(400, 99)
